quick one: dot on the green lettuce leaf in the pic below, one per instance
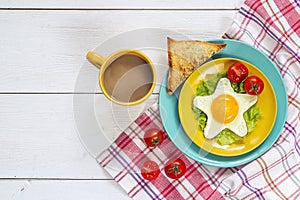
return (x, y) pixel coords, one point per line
(238, 87)
(208, 87)
(201, 117)
(252, 116)
(227, 137)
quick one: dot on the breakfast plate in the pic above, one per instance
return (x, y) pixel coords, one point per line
(266, 104)
(168, 105)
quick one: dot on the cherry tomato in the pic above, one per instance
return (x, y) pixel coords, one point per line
(153, 137)
(150, 170)
(253, 85)
(237, 72)
(175, 168)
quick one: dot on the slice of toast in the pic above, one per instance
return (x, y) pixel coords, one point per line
(185, 56)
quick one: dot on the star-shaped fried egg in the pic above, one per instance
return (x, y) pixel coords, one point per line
(224, 109)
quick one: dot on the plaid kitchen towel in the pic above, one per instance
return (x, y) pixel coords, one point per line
(125, 157)
(274, 28)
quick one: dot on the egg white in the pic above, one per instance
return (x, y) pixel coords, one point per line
(238, 125)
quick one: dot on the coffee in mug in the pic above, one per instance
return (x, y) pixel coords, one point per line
(126, 77)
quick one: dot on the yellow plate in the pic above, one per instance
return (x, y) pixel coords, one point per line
(266, 103)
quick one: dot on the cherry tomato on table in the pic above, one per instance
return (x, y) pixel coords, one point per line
(237, 72)
(175, 168)
(150, 170)
(153, 137)
(253, 85)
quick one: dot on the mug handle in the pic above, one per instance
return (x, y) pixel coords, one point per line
(95, 59)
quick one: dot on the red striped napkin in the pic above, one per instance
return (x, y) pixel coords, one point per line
(125, 157)
(273, 27)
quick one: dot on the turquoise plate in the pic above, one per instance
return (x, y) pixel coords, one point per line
(168, 107)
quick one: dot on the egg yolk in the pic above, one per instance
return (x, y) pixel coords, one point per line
(224, 108)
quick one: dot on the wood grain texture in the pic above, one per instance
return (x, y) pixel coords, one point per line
(43, 46)
(61, 190)
(124, 4)
(39, 138)
(44, 50)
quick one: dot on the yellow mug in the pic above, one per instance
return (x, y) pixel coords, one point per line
(126, 77)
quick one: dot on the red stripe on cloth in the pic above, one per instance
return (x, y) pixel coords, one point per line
(169, 150)
(202, 186)
(246, 21)
(136, 133)
(200, 180)
(288, 62)
(137, 158)
(273, 183)
(109, 157)
(291, 15)
(212, 178)
(287, 10)
(291, 171)
(135, 190)
(257, 7)
(260, 37)
(126, 146)
(276, 17)
(178, 183)
(143, 121)
(276, 20)
(275, 51)
(262, 12)
(102, 162)
(295, 195)
(261, 173)
(283, 137)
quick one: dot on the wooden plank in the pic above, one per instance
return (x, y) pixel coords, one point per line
(44, 51)
(125, 4)
(61, 189)
(39, 137)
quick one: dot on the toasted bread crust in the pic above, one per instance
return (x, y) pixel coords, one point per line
(185, 57)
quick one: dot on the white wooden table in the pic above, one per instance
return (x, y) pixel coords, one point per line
(42, 49)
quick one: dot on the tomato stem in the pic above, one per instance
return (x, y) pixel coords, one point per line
(175, 169)
(254, 87)
(156, 141)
